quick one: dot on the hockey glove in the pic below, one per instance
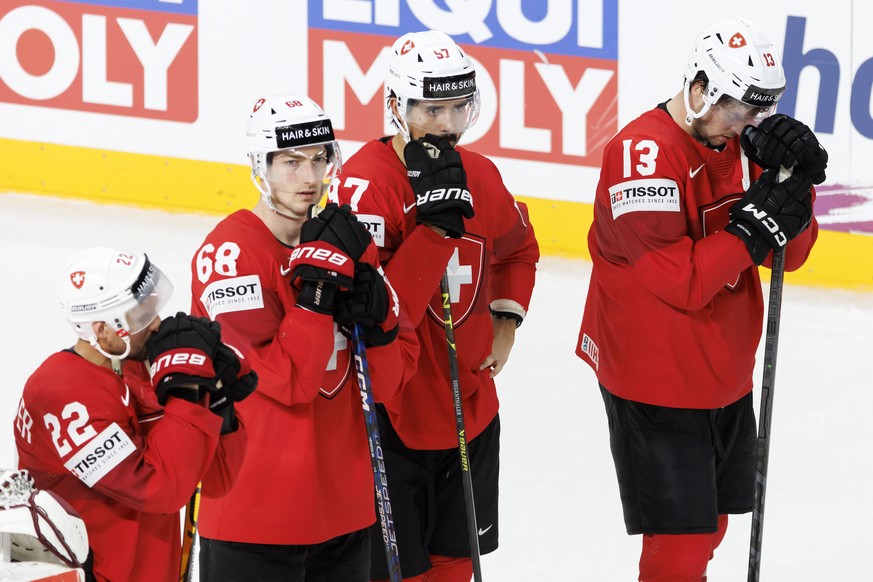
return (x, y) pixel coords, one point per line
(440, 184)
(780, 140)
(771, 213)
(181, 353)
(371, 302)
(235, 381)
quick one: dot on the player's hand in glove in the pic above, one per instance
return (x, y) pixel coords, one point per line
(771, 213)
(781, 140)
(330, 243)
(371, 302)
(440, 184)
(181, 353)
(235, 380)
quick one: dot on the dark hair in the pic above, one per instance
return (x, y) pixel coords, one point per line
(701, 77)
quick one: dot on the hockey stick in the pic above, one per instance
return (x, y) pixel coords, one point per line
(768, 384)
(192, 510)
(762, 456)
(377, 458)
(466, 475)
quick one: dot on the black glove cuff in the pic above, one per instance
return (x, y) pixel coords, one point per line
(190, 388)
(452, 222)
(758, 248)
(319, 297)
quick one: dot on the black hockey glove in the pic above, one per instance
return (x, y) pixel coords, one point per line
(337, 226)
(181, 353)
(318, 269)
(367, 303)
(235, 381)
(780, 140)
(440, 184)
(771, 213)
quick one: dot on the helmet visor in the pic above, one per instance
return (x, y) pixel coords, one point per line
(737, 114)
(151, 291)
(442, 116)
(311, 164)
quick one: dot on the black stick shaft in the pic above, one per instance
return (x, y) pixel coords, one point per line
(377, 456)
(774, 311)
(466, 475)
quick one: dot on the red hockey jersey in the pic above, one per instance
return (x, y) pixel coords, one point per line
(100, 442)
(494, 261)
(307, 476)
(674, 309)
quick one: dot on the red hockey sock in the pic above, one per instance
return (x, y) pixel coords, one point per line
(717, 537)
(446, 569)
(675, 558)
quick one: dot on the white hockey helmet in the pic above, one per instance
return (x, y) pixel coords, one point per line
(288, 122)
(41, 526)
(739, 61)
(430, 66)
(123, 289)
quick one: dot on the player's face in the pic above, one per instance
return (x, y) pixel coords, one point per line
(112, 343)
(447, 118)
(138, 340)
(296, 178)
(726, 119)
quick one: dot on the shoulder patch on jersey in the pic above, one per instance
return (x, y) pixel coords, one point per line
(102, 454)
(651, 195)
(376, 225)
(229, 295)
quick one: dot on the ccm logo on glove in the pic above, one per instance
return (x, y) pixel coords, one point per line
(185, 362)
(768, 223)
(319, 254)
(439, 194)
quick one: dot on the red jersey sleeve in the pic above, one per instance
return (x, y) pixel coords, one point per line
(516, 252)
(239, 279)
(86, 426)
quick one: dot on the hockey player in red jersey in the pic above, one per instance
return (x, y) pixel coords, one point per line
(124, 451)
(476, 232)
(682, 220)
(278, 284)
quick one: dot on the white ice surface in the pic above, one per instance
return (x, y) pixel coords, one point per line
(560, 513)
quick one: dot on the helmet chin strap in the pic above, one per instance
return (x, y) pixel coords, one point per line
(690, 115)
(115, 359)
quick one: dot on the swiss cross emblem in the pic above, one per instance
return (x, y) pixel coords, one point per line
(77, 278)
(260, 102)
(339, 367)
(737, 41)
(407, 46)
(465, 274)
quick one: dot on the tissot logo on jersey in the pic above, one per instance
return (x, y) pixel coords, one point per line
(656, 194)
(100, 455)
(235, 294)
(375, 226)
